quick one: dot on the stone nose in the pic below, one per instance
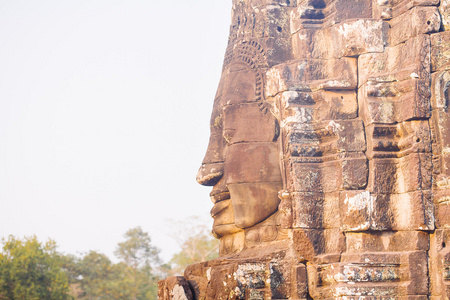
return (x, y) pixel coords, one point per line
(210, 173)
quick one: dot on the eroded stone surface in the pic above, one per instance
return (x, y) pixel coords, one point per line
(329, 154)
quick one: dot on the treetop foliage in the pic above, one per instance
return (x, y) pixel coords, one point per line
(137, 251)
(31, 270)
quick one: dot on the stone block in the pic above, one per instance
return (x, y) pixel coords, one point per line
(387, 258)
(297, 114)
(312, 74)
(350, 135)
(440, 48)
(382, 217)
(440, 83)
(269, 26)
(250, 279)
(439, 263)
(393, 8)
(335, 105)
(304, 43)
(196, 275)
(306, 145)
(394, 102)
(442, 206)
(442, 181)
(332, 179)
(246, 123)
(307, 210)
(359, 36)
(308, 243)
(401, 139)
(338, 11)
(175, 287)
(382, 10)
(395, 85)
(400, 175)
(334, 241)
(327, 258)
(279, 51)
(331, 211)
(387, 241)
(416, 268)
(440, 167)
(371, 276)
(334, 136)
(441, 239)
(216, 142)
(439, 121)
(346, 39)
(383, 176)
(300, 282)
(281, 277)
(355, 174)
(357, 242)
(262, 155)
(307, 177)
(220, 284)
(417, 20)
(408, 211)
(355, 210)
(362, 211)
(330, 174)
(397, 63)
(268, 273)
(304, 15)
(327, 138)
(407, 268)
(282, 3)
(315, 107)
(444, 9)
(285, 208)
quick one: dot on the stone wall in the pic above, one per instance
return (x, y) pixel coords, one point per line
(360, 94)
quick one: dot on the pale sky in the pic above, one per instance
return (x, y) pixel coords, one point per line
(104, 113)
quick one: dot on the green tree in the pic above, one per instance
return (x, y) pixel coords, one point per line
(196, 243)
(136, 251)
(30, 270)
(135, 277)
(142, 261)
(93, 276)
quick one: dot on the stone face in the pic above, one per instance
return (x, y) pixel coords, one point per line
(329, 154)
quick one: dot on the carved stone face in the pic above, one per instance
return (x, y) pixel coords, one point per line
(242, 161)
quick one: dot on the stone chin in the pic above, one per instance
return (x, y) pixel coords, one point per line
(250, 204)
(254, 202)
(223, 216)
(224, 229)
